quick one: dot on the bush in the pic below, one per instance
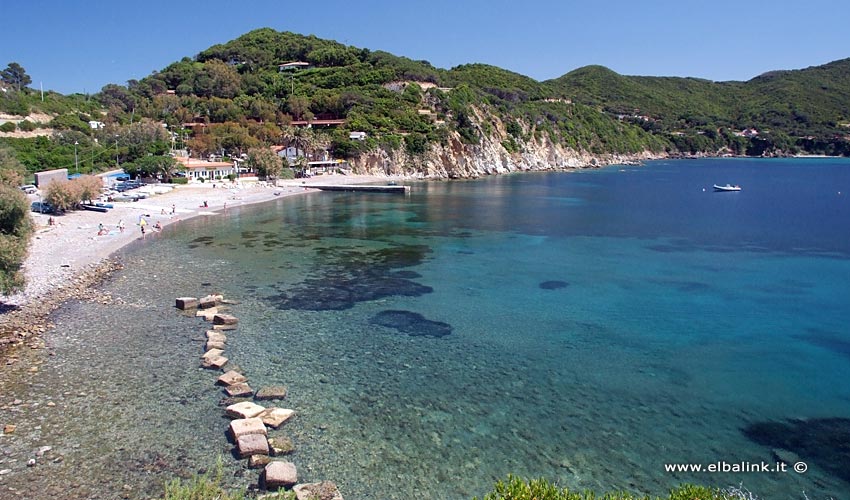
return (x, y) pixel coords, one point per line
(514, 488)
(179, 180)
(208, 487)
(27, 126)
(8, 127)
(15, 233)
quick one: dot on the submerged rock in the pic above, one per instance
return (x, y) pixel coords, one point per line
(326, 490)
(271, 392)
(553, 285)
(239, 390)
(411, 323)
(820, 441)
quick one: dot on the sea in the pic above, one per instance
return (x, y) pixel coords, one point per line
(609, 329)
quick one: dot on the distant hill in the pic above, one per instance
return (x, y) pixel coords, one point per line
(812, 102)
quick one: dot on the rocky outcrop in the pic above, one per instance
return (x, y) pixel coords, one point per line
(456, 160)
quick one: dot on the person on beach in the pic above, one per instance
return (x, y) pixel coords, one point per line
(173, 209)
(121, 225)
(143, 230)
(100, 229)
(163, 211)
(157, 226)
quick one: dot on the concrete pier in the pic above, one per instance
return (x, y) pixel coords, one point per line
(363, 188)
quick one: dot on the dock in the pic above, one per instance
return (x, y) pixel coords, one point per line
(366, 188)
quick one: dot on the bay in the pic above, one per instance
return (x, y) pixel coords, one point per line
(588, 328)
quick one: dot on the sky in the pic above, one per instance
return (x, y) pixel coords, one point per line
(80, 46)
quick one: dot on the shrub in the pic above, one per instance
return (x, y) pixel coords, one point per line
(8, 127)
(179, 180)
(27, 126)
(514, 488)
(208, 487)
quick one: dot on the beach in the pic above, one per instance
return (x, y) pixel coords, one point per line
(74, 250)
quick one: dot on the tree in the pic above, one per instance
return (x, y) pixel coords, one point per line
(63, 195)
(11, 170)
(88, 187)
(152, 166)
(266, 162)
(16, 76)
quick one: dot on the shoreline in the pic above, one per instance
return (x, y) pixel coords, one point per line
(67, 260)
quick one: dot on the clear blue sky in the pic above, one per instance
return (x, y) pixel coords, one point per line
(80, 46)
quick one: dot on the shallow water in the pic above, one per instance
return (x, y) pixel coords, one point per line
(587, 328)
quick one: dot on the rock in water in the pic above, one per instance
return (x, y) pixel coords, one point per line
(232, 377)
(244, 426)
(245, 409)
(326, 490)
(239, 390)
(272, 392)
(252, 444)
(184, 303)
(280, 474)
(225, 319)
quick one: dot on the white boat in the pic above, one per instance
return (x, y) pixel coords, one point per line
(727, 187)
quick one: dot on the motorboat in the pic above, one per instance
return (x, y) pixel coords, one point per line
(727, 187)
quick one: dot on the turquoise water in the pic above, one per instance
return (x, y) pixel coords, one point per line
(587, 328)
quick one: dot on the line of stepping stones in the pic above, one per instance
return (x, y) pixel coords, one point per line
(248, 429)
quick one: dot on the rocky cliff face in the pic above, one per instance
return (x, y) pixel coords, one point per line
(456, 160)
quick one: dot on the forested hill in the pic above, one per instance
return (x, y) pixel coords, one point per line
(807, 108)
(419, 117)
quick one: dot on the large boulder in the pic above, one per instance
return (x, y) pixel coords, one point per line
(326, 490)
(212, 344)
(184, 303)
(225, 319)
(271, 392)
(275, 417)
(232, 377)
(280, 474)
(244, 426)
(223, 327)
(245, 409)
(252, 444)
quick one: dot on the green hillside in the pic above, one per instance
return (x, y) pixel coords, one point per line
(806, 109)
(243, 99)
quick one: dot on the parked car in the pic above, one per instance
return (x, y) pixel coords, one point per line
(42, 207)
(29, 189)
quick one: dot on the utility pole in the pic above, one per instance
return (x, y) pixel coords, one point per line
(76, 161)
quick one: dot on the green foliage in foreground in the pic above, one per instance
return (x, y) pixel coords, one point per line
(209, 487)
(514, 488)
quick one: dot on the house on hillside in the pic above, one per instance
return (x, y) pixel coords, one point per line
(201, 170)
(290, 153)
(294, 65)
